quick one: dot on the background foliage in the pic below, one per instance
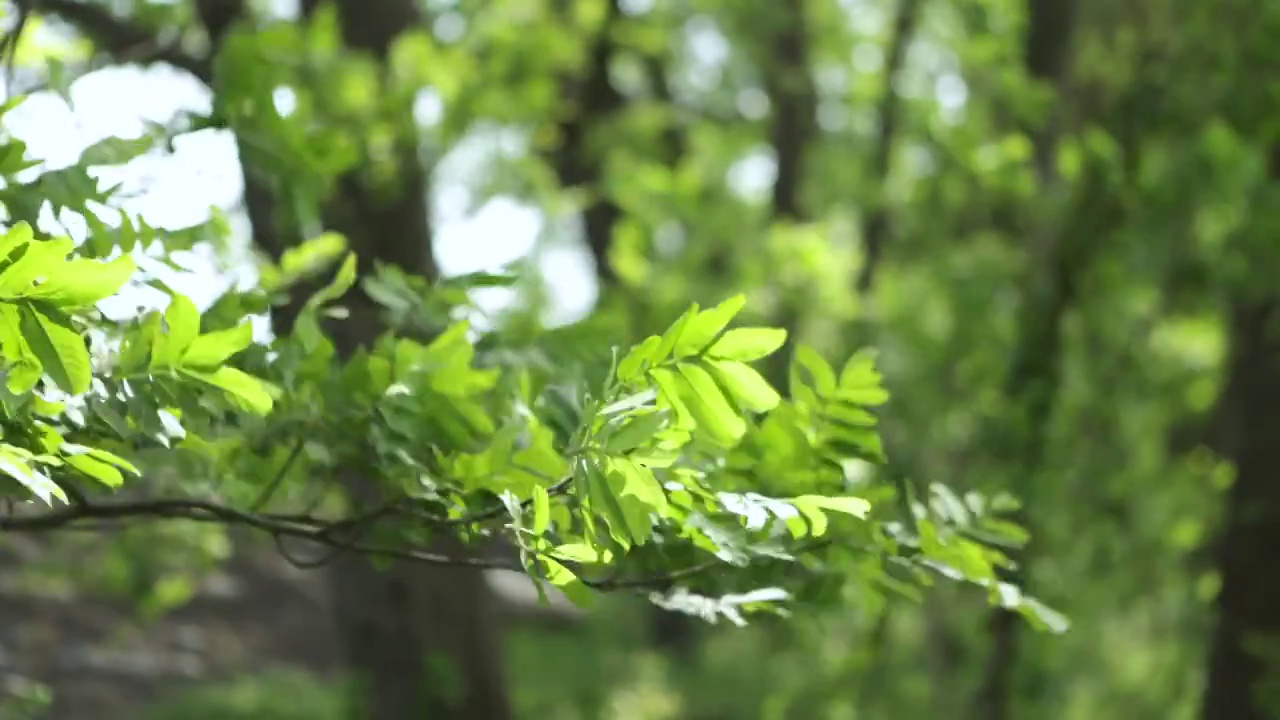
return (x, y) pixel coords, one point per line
(1017, 261)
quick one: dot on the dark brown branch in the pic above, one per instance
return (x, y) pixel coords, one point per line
(1236, 672)
(789, 84)
(124, 41)
(270, 490)
(575, 162)
(339, 537)
(875, 231)
(1035, 372)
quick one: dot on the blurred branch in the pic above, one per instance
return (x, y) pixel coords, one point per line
(592, 101)
(790, 87)
(1035, 372)
(875, 231)
(339, 537)
(123, 40)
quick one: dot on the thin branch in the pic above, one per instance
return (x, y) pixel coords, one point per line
(594, 101)
(270, 490)
(788, 81)
(875, 232)
(790, 87)
(338, 537)
(123, 40)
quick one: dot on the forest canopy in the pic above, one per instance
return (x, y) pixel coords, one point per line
(901, 327)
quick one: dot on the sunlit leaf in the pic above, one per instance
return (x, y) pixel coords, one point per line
(748, 344)
(61, 350)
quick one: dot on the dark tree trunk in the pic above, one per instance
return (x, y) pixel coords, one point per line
(1248, 606)
(578, 163)
(1034, 374)
(789, 83)
(875, 228)
(420, 642)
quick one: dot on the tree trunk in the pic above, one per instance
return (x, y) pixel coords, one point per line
(420, 642)
(1248, 606)
(789, 83)
(1034, 374)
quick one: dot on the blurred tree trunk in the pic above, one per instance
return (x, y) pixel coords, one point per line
(1246, 640)
(421, 642)
(578, 163)
(789, 83)
(1034, 372)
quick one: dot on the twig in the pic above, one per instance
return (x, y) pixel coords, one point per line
(270, 490)
(117, 37)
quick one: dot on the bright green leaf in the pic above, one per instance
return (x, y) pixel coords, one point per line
(15, 465)
(712, 412)
(706, 326)
(748, 344)
(81, 283)
(211, 350)
(541, 510)
(747, 387)
(182, 327)
(341, 283)
(60, 348)
(247, 391)
(672, 336)
(96, 469)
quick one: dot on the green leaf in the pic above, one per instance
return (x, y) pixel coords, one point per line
(821, 378)
(182, 327)
(244, 389)
(135, 347)
(310, 256)
(639, 483)
(211, 350)
(627, 526)
(636, 430)
(96, 469)
(116, 150)
(628, 404)
(568, 583)
(1043, 617)
(17, 236)
(341, 283)
(707, 325)
(712, 412)
(22, 365)
(581, 553)
(15, 463)
(668, 382)
(748, 344)
(541, 510)
(854, 506)
(39, 259)
(673, 334)
(60, 349)
(811, 507)
(73, 450)
(859, 370)
(638, 359)
(81, 283)
(747, 387)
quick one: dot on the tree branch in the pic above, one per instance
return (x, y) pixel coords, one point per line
(338, 537)
(124, 41)
(875, 231)
(575, 161)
